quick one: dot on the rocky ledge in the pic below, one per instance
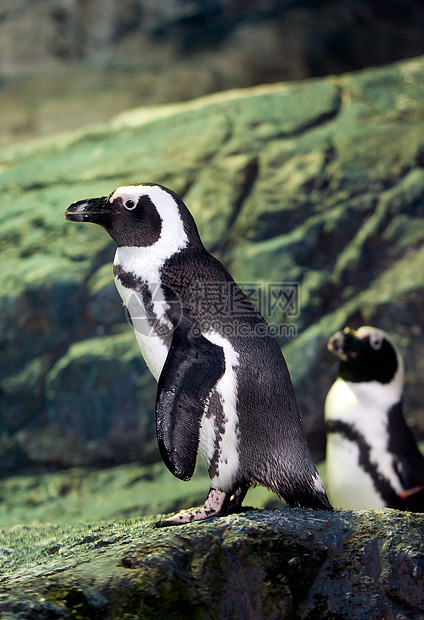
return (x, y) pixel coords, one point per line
(280, 564)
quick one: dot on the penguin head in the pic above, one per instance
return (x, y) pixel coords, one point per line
(367, 354)
(140, 215)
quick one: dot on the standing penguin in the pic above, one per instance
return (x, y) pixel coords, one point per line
(372, 458)
(223, 385)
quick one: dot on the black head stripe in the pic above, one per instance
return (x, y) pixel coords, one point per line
(370, 364)
(140, 226)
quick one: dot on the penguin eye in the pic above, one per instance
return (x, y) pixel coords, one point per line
(376, 342)
(130, 205)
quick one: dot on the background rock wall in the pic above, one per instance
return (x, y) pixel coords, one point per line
(320, 183)
(65, 63)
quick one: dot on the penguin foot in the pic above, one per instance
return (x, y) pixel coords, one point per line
(236, 499)
(408, 492)
(217, 504)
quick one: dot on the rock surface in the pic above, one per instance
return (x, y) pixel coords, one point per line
(319, 183)
(280, 564)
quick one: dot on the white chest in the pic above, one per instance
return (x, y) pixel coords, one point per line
(349, 484)
(147, 308)
(150, 326)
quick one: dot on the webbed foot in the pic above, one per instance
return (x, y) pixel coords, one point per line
(217, 504)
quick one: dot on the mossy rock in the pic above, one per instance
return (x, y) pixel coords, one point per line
(279, 564)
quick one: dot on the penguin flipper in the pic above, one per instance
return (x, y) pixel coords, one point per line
(192, 368)
(408, 460)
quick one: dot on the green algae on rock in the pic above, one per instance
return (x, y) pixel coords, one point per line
(277, 564)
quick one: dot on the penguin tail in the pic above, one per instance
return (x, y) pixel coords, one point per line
(298, 487)
(316, 501)
(309, 493)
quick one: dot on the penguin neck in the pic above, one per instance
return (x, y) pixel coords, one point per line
(348, 401)
(383, 394)
(146, 262)
(376, 392)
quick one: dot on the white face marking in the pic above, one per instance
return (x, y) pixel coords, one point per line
(226, 389)
(375, 336)
(389, 393)
(130, 204)
(173, 237)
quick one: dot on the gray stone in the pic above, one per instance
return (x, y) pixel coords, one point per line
(262, 564)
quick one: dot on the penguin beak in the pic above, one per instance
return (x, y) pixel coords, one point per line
(93, 210)
(343, 344)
